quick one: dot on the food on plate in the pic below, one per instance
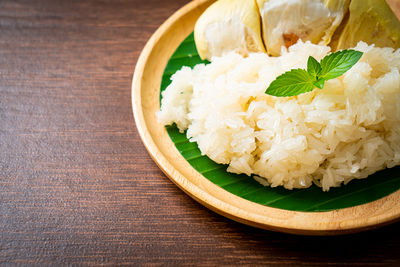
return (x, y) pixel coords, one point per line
(349, 129)
(298, 114)
(229, 25)
(248, 26)
(371, 21)
(284, 22)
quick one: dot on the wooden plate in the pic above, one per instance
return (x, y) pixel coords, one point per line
(145, 102)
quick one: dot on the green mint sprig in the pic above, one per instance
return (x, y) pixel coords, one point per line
(299, 81)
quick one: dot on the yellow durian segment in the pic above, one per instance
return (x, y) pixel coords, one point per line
(286, 21)
(229, 25)
(371, 21)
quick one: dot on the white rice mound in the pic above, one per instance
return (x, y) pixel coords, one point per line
(348, 130)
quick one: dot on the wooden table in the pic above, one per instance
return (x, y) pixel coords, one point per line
(77, 185)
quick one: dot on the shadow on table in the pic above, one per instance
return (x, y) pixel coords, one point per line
(369, 247)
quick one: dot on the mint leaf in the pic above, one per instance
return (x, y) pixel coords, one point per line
(320, 83)
(291, 83)
(298, 81)
(335, 64)
(313, 67)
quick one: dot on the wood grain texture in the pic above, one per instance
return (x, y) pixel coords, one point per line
(77, 185)
(395, 6)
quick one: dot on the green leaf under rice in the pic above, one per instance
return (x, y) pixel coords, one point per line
(357, 192)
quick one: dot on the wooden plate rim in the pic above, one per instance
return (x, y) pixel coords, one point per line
(354, 219)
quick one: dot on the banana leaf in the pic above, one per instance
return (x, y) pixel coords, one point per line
(356, 192)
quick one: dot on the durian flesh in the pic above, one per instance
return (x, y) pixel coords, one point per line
(286, 21)
(229, 25)
(248, 26)
(371, 21)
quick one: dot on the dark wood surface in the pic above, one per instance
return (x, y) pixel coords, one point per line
(77, 185)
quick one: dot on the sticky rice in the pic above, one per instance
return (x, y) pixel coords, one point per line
(348, 130)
